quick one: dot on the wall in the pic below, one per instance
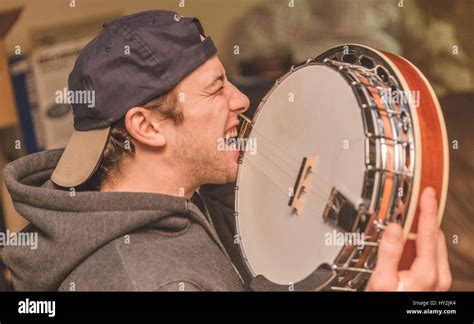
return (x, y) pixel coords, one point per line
(41, 13)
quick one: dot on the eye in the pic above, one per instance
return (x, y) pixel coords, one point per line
(219, 91)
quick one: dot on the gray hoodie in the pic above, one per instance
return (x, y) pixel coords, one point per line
(112, 241)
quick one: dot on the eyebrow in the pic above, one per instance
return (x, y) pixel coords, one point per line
(219, 78)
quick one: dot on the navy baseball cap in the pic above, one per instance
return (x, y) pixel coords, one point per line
(133, 60)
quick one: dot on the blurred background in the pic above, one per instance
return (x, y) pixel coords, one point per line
(258, 41)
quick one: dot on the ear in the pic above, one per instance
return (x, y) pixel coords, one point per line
(145, 127)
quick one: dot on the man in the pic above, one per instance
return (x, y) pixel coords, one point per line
(119, 208)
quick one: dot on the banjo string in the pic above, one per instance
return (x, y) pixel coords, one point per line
(326, 188)
(276, 146)
(295, 167)
(285, 190)
(309, 202)
(267, 142)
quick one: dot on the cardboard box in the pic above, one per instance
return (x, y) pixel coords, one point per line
(51, 66)
(55, 49)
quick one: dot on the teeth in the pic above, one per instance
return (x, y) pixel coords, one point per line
(231, 132)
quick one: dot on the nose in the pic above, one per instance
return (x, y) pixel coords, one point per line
(238, 102)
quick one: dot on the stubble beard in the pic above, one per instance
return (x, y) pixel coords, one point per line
(201, 161)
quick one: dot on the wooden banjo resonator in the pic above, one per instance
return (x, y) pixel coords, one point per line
(347, 141)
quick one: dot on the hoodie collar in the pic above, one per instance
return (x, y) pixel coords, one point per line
(72, 225)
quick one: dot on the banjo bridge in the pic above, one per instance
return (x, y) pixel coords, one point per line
(303, 183)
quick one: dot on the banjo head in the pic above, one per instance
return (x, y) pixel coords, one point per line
(339, 143)
(302, 117)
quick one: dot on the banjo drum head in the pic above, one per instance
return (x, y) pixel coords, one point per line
(311, 112)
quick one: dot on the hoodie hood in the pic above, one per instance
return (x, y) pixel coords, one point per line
(73, 225)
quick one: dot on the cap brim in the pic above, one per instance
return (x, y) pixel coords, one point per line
(81, 157)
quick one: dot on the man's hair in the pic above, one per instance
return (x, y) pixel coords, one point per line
(121, 143)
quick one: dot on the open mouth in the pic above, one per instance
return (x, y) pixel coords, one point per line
(230, 136)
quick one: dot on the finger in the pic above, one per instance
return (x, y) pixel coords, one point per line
(444, 273)
(426, 237)
(390, 252)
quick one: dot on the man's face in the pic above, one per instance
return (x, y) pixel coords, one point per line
(210, 105)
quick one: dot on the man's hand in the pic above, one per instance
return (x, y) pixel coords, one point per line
(430, 269)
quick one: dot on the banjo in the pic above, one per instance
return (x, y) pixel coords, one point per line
(346, 143)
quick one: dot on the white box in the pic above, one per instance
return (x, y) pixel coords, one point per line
(51, 66)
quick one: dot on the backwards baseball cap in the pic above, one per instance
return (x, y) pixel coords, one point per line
(133, 60)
